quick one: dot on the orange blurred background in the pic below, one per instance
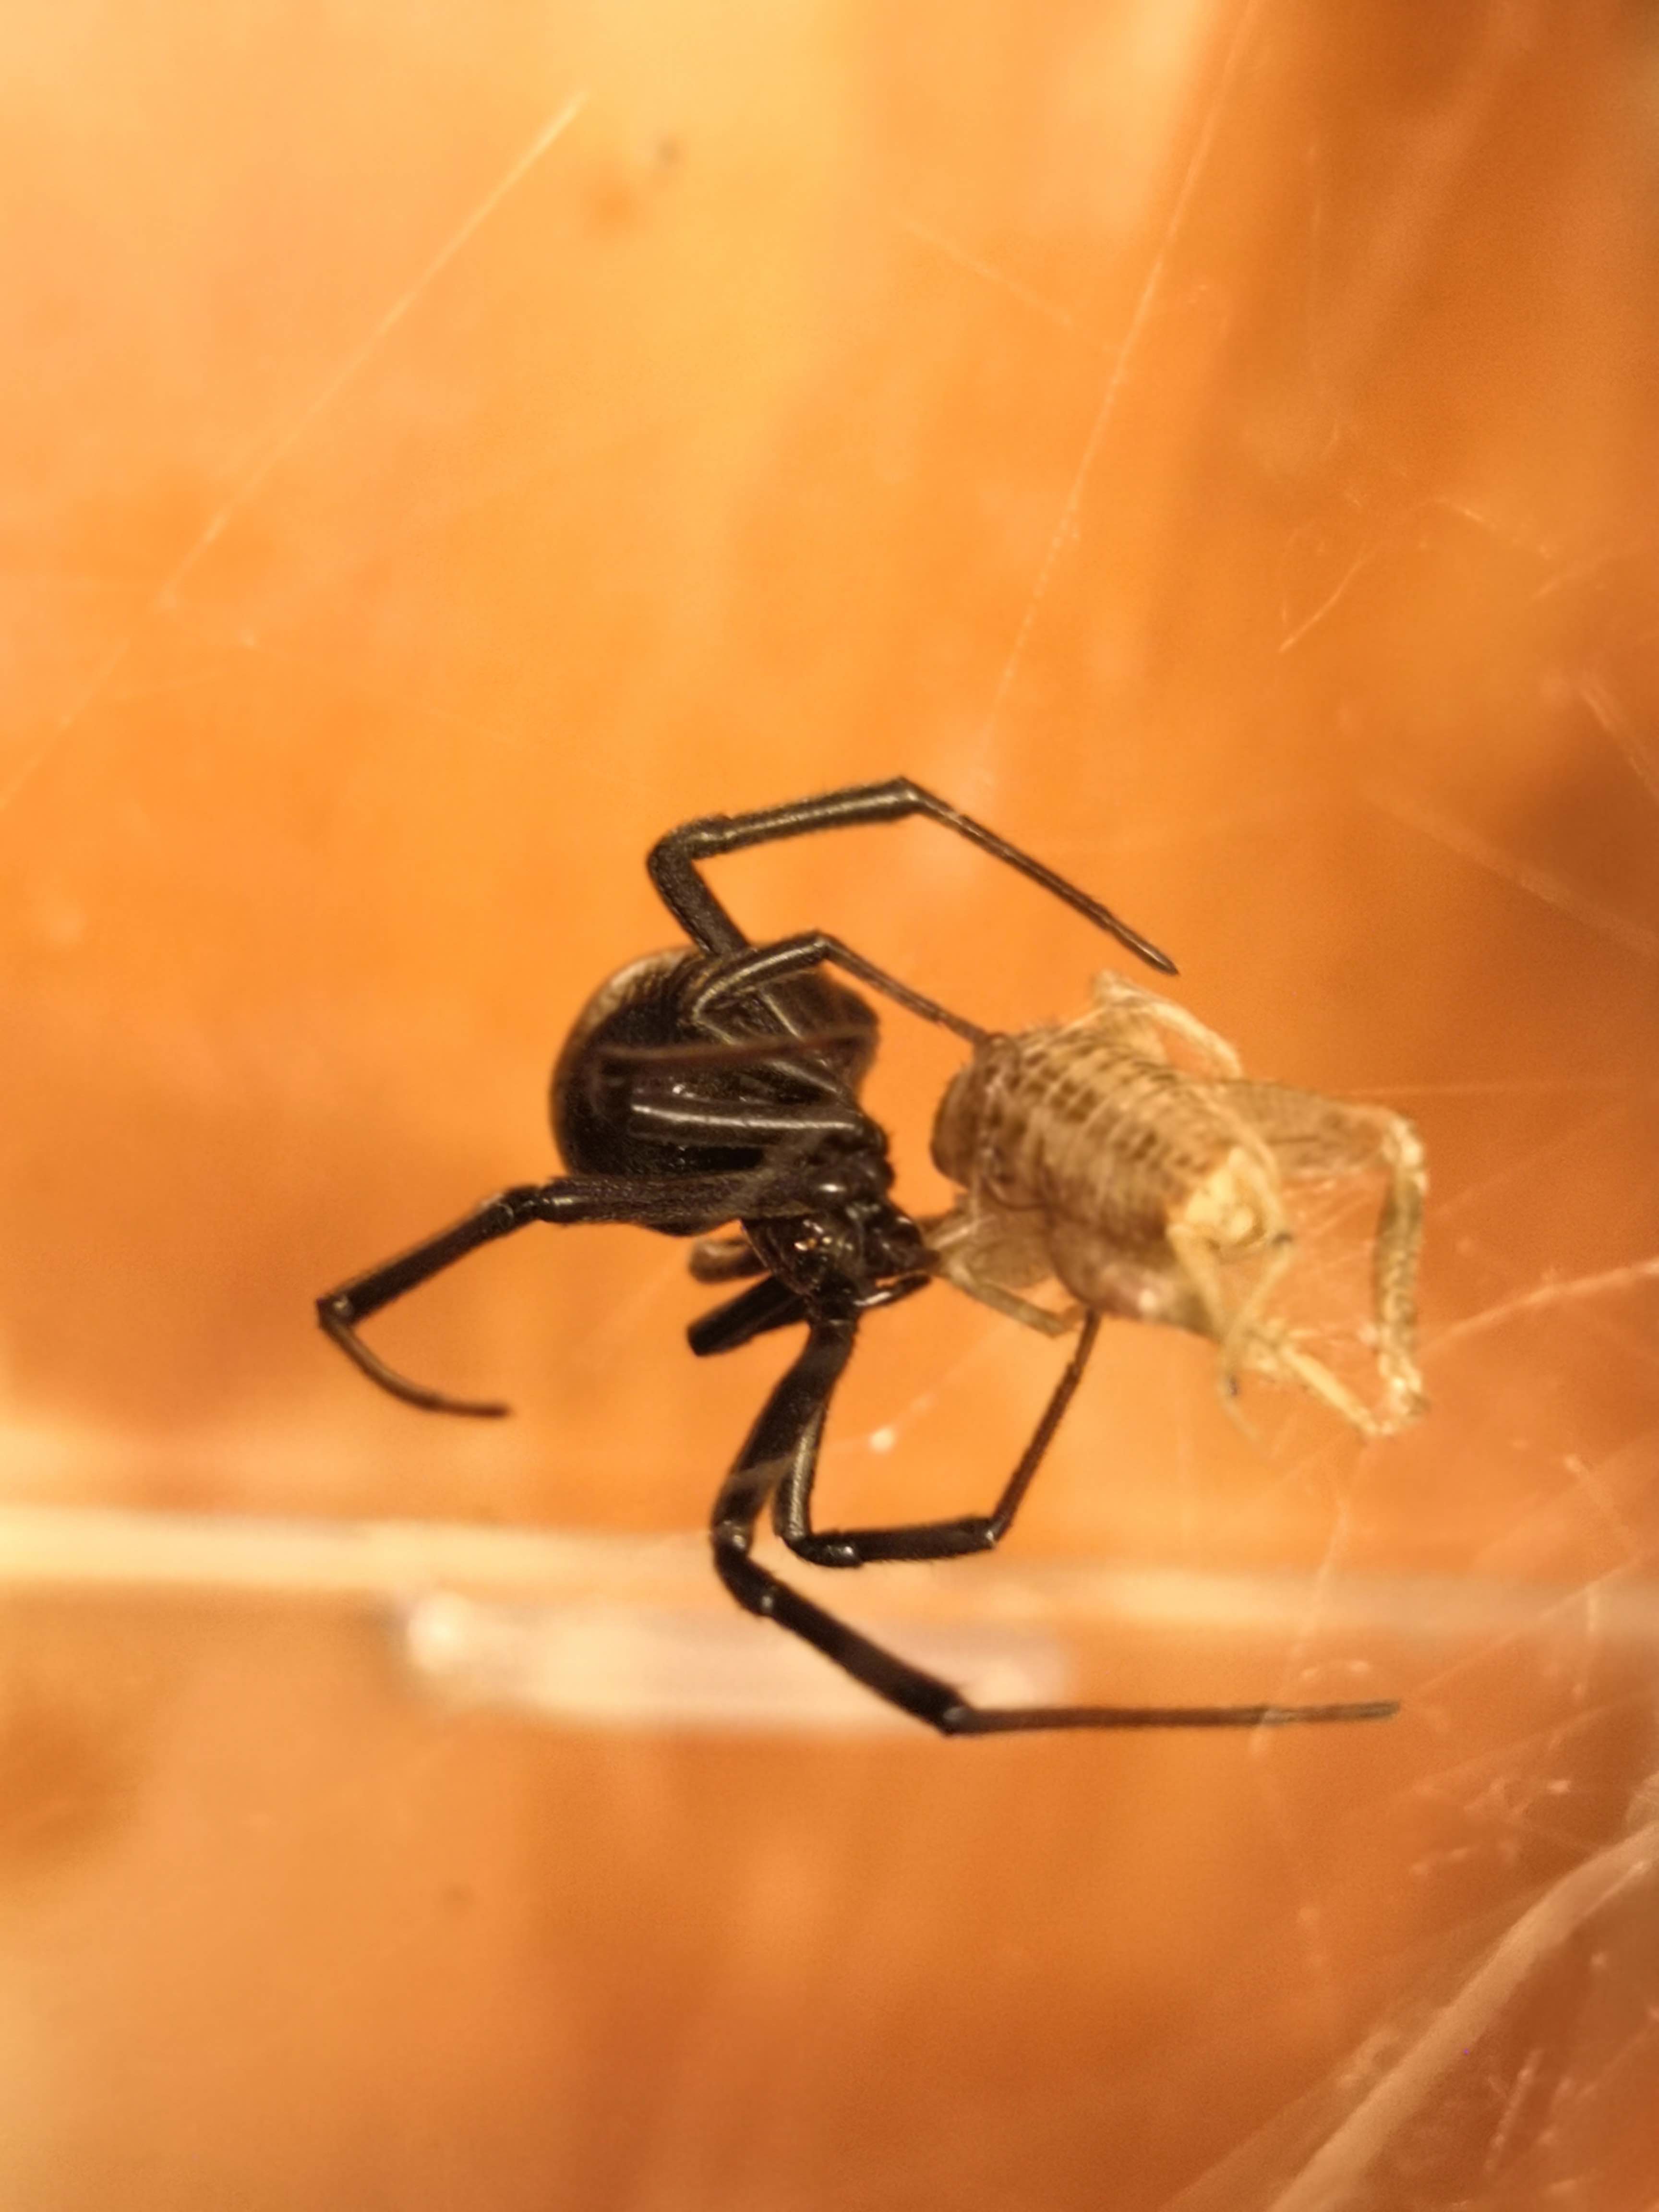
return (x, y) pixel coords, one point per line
(1213, 443)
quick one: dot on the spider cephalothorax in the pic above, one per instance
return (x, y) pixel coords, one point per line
(718, 1084)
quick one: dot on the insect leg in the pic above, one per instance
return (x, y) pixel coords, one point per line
(673, 861)
(1312, 1137)
(1142, 1013)
(991, 1256)
(784, 1441)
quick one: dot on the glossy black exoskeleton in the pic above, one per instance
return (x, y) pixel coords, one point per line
(720, 1083)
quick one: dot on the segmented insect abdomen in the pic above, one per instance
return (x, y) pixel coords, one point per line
(1066, 1121)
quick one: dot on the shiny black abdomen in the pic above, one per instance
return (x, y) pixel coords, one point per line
(645, 1005)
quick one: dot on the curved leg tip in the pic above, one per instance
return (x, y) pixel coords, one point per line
(336, 1326)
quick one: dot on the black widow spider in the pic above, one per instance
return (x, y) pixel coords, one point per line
(720, 1083)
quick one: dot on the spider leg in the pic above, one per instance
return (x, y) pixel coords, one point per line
(791, 1506)
(723, 1260)
(765, 1305)
(771, 1305)
(646, 1087)
(565, 1200)
(784, 1441)
(673, 861)
(660, 1114)
(752, 967)
(803, 1055)
(688, 1055)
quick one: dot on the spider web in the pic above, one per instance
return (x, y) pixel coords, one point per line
(1245, 531)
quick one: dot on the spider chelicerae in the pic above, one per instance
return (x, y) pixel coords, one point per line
(718, 1084)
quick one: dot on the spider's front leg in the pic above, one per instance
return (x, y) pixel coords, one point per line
(674, 860)
(781, 1455)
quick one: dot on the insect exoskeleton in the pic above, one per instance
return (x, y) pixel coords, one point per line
(1153, 1189)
